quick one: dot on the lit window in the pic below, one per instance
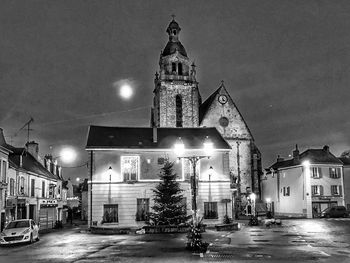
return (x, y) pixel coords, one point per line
(110, 213)
(210, 210)
(334, 172)
(130, 167)
(316, 172)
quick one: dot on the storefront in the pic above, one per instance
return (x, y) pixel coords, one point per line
(47, 214)
(321, 203)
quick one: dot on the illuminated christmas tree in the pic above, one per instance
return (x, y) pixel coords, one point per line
(168, 208)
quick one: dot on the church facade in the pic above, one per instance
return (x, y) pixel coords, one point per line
(125, 161)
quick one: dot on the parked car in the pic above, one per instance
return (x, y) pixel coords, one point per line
(335, 211)
(20, 231)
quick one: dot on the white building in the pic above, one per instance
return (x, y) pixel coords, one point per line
(4, 154)
(34, 187)
(177, 108)
(304, 185)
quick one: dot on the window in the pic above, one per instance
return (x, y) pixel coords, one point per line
(173, 67)
(21, 186)
(316, 172)
(142, 209)
(110, 213)
(334, 172)
(32, 188)
(178, 111)
(43, 189)
(210, 210)
(52, 190)
(286, 191)
(179, 69)
(317, 189)
(130, 167)
(3, 169)
(12, 186)
(336, 190)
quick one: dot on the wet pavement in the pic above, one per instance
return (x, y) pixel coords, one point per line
(318, 240)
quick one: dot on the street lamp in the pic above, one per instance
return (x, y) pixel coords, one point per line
(253, 197)
(179, 149)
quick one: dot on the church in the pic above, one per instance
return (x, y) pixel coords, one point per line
(125, 162)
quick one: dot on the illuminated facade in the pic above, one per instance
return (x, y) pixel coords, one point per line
(177, 109)
(304, 185)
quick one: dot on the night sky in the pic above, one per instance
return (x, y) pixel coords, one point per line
(286, 65)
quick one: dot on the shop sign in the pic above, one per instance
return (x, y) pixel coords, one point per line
(48, 203)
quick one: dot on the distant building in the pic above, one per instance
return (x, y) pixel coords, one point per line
(304, 185)
(136, 155)
(346, 162)
(4, 165)
(33, 186)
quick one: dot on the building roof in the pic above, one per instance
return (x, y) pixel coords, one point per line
(345, 160)
(29, 163)
(100, 137)
(172, 47)
(314, 156)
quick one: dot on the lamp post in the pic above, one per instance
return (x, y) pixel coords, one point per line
(179, 148)
(253, 197)
(211, 169)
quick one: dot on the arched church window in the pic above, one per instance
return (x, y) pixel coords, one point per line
(178, 111)
(179, 67)
(173, 67)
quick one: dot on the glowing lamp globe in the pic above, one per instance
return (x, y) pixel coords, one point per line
(68, 155)
(126, 91)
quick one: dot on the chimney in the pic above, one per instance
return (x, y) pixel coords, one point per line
(280, 159)
(296, 153)
(155, 134)
(33, 149)
(326, 148)
(2, 137)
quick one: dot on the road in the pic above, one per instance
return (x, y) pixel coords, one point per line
(319, 240)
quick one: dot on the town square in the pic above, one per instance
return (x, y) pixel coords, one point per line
(174, 131)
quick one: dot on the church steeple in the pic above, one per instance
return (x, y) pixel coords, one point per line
(176, 95)
(173, 30)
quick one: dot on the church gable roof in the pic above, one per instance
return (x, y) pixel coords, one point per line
(207, 109)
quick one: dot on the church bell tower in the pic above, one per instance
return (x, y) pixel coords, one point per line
(176, 96)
